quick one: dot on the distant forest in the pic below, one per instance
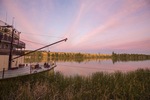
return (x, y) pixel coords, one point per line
(62, 56)
(129, 57)
(80, 57)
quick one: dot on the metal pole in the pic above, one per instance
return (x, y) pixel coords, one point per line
(3, 73)
(30, 67)
(40, 48)
(1, 36)
(11, 48)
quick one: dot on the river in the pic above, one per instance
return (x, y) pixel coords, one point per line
(86, 68)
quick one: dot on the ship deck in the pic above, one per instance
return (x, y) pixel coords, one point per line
(26, 70)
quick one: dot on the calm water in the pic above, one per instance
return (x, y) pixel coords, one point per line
(89, 67)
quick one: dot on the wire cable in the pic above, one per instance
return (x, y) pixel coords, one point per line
(27, 33)
(33, 42)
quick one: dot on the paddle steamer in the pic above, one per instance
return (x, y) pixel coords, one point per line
(17, 48)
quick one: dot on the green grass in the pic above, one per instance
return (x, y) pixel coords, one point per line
(99, 86)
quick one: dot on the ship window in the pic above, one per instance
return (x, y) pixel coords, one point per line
(9, 38)
(6, 46)
(5, 37)
(2, 46)
(1, 35)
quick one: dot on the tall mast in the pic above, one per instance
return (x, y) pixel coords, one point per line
(11, 46)
(6, 17)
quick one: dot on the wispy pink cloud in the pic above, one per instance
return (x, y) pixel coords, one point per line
(115, 21)
(93, 25)
(83, 8)
(25, 23)
(135, 45)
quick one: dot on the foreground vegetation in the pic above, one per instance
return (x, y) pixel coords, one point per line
(45, 86)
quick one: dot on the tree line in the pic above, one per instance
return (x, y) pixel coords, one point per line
(129, 57)
(80, 57)
(62, 56)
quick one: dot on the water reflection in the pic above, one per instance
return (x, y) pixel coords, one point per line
(88, 66)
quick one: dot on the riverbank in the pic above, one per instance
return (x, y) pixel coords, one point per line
(131, 85)
(44, 56)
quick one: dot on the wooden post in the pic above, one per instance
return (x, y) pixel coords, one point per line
(3, 73)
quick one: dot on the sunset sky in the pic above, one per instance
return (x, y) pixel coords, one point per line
(93, 26)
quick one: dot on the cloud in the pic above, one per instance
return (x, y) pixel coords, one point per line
(95, 24)
(23, 21)
(104, 36)
(135, 45)
(83, 6)
(115, 21)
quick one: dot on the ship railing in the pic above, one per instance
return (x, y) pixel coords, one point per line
(7, 39)
(25, 69)
(21, 44)
(15, 52)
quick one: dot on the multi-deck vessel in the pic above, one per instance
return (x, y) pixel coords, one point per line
(12, 53)
(5, 46)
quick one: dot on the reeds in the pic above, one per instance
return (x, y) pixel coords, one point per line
(99, 86)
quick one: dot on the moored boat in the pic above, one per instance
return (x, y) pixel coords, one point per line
(12, 54)
(18, 46)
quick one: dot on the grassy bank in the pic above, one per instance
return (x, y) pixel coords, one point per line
(45, 86)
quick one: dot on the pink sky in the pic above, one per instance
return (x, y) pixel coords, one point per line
(97, 26)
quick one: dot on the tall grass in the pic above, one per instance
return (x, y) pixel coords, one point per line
(99, 86)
